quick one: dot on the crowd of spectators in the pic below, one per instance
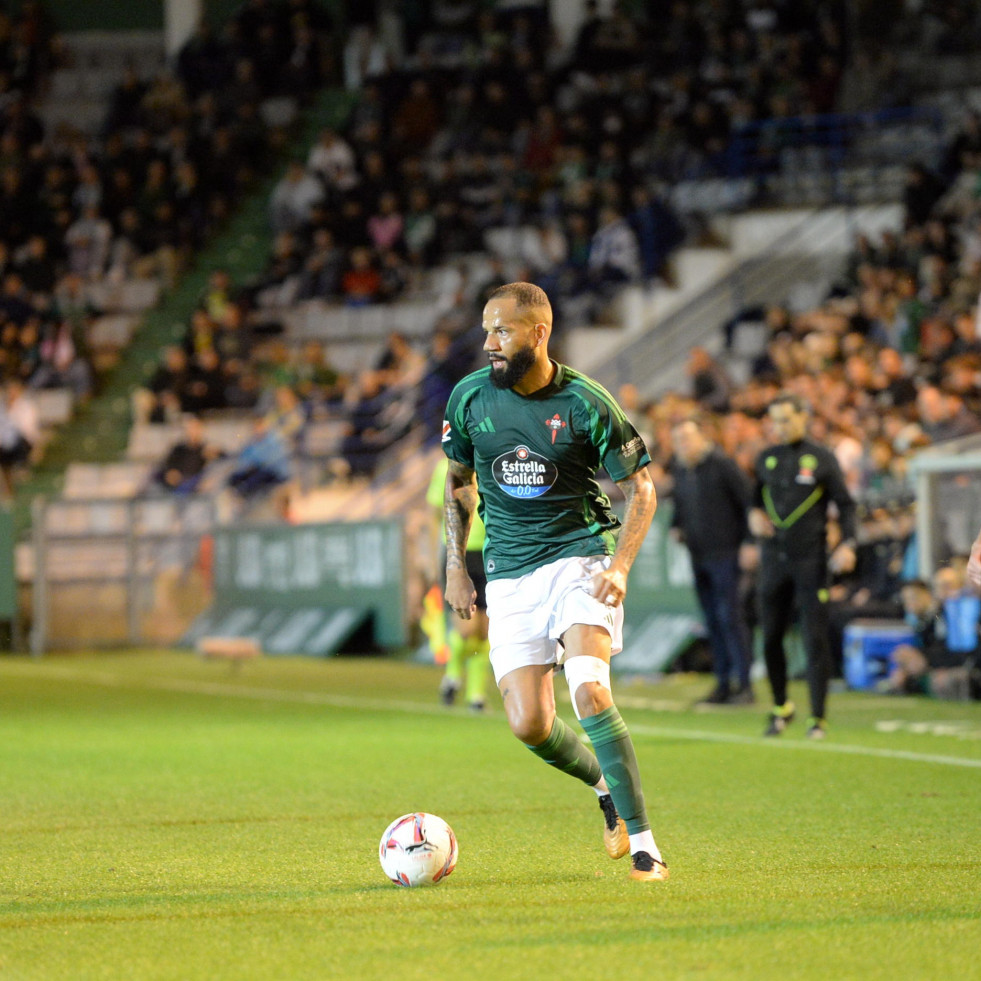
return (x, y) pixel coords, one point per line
(482, 122)
(890, 363)
(81, 215)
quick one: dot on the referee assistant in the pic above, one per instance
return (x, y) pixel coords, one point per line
(796, 480)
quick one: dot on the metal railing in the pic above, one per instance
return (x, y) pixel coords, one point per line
(103, 569)
(654, 361)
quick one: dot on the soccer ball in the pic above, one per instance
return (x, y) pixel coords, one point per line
(417, 850)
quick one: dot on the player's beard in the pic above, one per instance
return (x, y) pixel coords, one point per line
(516, 367)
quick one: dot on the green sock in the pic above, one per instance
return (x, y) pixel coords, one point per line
(477, 664)
(566, 752)
(454, 666)
(615, 752)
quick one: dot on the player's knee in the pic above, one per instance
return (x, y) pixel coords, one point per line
(531, 727)
(588, 679)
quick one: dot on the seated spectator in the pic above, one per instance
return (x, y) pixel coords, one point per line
(399, 366)
(293, 198)
(88, 239)
(19, 432)
(614, 258)
(61, 364)
(317, 381)
(287, 415)
(386, 224)
(161, 399)
(262, 463)
(333, 161)
(205, 389)
(183, 468)
(320, 277)
(361, 284)
(381, 418)
(943, 660)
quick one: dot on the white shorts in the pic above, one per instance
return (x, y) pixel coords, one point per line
(529, 614)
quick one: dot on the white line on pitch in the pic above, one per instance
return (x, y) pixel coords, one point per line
(190, 687)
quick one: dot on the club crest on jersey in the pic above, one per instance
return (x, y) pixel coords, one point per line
(522, 473)
(556, 424)
(808, 464)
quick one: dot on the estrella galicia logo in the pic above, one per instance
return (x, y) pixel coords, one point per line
(521, 473)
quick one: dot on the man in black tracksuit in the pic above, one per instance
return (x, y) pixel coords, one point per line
(711, 497)
(796, 480)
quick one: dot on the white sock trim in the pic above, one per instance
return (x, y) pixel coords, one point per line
(644, 842)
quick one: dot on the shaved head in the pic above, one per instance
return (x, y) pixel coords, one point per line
(530, 301)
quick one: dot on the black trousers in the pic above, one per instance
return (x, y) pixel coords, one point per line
(788, 587)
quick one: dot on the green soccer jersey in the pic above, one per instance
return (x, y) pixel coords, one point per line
(536, 458)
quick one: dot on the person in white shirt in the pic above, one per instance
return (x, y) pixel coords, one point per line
(20, 430)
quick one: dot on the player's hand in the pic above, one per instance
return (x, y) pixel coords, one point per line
(459, 594)
(610, 586)
(760, 524)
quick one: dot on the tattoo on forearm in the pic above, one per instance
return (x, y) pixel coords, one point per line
(641, 505)
(460, 503)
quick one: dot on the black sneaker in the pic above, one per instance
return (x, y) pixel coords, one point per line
(718, 696)
(779, 718)
(448, 689)
(645, 868)
(615, 836)
(742, 696)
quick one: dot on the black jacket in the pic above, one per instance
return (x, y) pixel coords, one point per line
(710, 504)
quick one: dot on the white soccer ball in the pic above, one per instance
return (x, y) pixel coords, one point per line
(418, 850)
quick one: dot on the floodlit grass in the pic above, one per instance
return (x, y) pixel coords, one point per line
(168, 818)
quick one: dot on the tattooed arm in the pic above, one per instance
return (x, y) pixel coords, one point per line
(610, 586)
(459, 505)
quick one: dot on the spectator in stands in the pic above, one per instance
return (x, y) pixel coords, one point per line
(398, 368)
(361, 283)
(293, 198)
(61, 361)
(386, 225)
(317, 382)
(614, 258)
(205, 389)
(942, 661)
(943, 416)
(183, 467)
(710, 385)
(332, 159)
(286, 416)
(262, 463)
(20, 431)
(658, 233)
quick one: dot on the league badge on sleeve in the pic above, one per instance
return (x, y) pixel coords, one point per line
(446, 430)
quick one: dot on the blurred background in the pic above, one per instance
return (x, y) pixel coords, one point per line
(244, 247)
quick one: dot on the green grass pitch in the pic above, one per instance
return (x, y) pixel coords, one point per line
(165, 817)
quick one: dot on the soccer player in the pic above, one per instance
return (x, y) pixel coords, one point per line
(796, 480)
(531, 434)
(467, 640)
